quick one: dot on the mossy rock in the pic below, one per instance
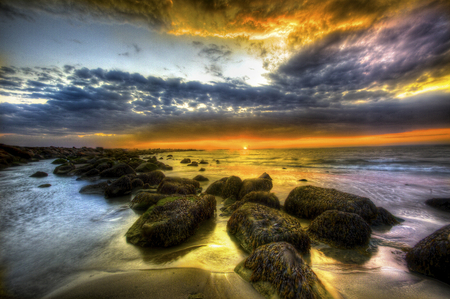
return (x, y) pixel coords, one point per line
(144, 200)
(200, 178)
(91, 173)
(340, 229)
(309, 202)
(193, 164)
(137, 183)
(442, 204)
(83, 169)
(136, 163)
(152, 178)
(59, 161)
(117, 171)
(261, 197)
(174, 185)
(185, 161)
(64, 169)
(119, 187)
(39, 174)
(431, 256)
(146, 167)
(94, 189)
(216, 187)
(171, 221)
(255, 225)
(384, 217)
(257, 184)
(103, 166)
(232, 186)
(265, 175)
(276, 269)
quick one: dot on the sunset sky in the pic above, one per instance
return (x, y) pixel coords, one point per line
(224, 73)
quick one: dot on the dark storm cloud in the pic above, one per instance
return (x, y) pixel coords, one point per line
(152, 107)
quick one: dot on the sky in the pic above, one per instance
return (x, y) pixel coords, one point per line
(224, 73)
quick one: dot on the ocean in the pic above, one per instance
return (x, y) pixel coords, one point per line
(53, 236)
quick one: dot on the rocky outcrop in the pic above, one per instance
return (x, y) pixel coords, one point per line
(94, 189)
(152, 178)
(144, 200)
(171, 221)
(216, 187)
(258, 184)
(232, 186)
(254, 225)
(117, 171)
(146, 167)
(174, 185)
(442, 204)
(276, 270)
(261, 197)
(64, 169)
(59, 161)
(431, 256)
(340, 229)
(384, 217)
(119, 187)
(309, 202)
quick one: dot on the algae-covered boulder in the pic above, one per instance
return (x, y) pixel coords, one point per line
(257, 184)
(119, 187)
(146, 167)
(39, 174)
(137, 183)
(64, 169)
(94, 189)
(174, 185)
(117, 171)
(340, 229)
(144, 200)
(309, 202)
(171, 221)
(265, 175)
(276, 269)
(255, 225)
(431, 256)
(261, 197)
(91, 173)
(439, 203)
(186, 161)
(216, 187)
(152, 178)
(384, 217)
(200, 178)
(232, 186)
(60, 161)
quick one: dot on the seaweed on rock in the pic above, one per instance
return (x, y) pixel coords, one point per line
(144, 200)
(216, 187)
(309, 202)
(232, 186)
(171, 221)
(384, 217)
(175, 185)
(117, 171)
(265, 198)
(151, 178)
(255, 225)
(258, 184)
(119, 187)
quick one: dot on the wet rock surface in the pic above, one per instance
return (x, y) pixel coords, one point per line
(39, 174)
(442, 204)
(258, 184)
(175, 185)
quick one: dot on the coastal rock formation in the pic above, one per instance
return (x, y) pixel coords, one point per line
(119, 187)
(174, 185)
(146, 167)
(39, 174)
(16, 151)
(232, 186)
(265, 175)
(137, 183)
(193, 164)
(59, 161)
(144, 200)
(185, 161)
(340, 229)
(384, 217)
(171, 221)
(216, 187)
(309, 202)
(439, 203)
(431, 256)
(64, 169)
(255, 225)
(94, 189)
(257, 184)
(200, 178)
(117, 171)
(152, 178)
(261, 197)
(277, 269)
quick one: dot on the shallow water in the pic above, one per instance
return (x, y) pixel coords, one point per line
(49, 235)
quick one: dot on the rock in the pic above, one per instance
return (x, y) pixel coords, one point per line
(203, 162)
(257, 184)
(136, 163)
(276, 270)
(144, 200)
(340, 229)
(171, 221)
(39, 174)
(119, 187)
(103, 166)
(265, 176)
(136, 183)
(152, 178)
(431, 256)
(64, 169)
(59, 161)
(178, 186)
(117, 171)
(186, 161)
(384, 217)
(193, 164)
(91, 173)
(200, 178)
(261, 197)
(217, 161)
(146, 167)
(232, 186)
(44, 186)
(309, 202)
(216, 187)
(228, 202)
(439, 203)
(15, 151)
(83, 169)
(202, 169)
(255, 225)
(94, 189)
(6, 159)
(303, 180)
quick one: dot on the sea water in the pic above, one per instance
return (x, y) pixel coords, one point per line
(50, 236)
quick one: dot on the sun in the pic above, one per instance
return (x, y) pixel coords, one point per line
(245, 147)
